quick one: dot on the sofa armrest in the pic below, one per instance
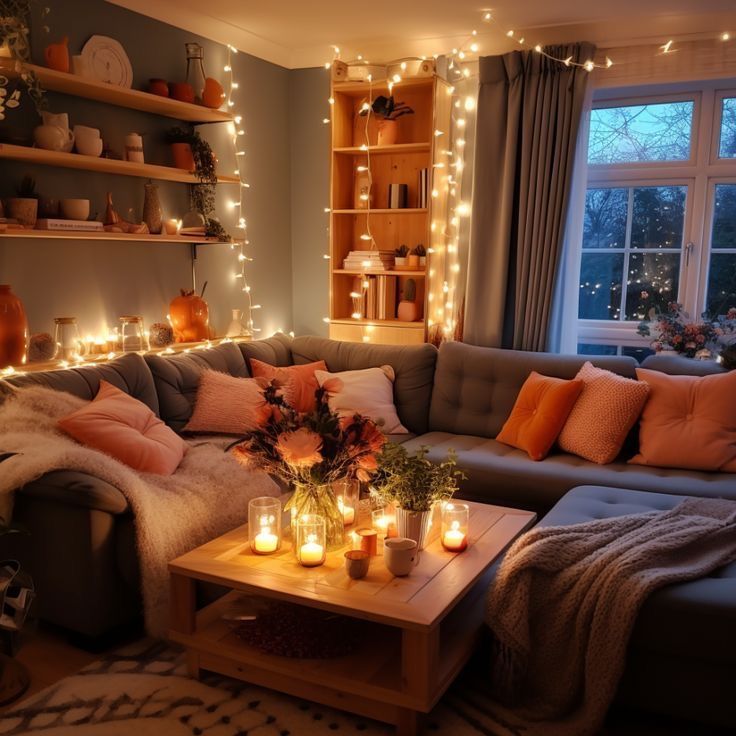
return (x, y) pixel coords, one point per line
(77, 489)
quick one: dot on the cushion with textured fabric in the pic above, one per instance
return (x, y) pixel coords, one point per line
(228, 405)
(299, 381)
(603, 415)
(123, 427)
(689, 422)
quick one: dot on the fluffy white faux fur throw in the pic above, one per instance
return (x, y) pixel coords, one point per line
(207, 495)
(565, 600)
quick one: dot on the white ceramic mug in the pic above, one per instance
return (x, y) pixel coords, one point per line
(400, 555)
(87, 140)
(80, 67)
(53, 138)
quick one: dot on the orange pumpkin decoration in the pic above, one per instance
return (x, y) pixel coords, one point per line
(190, 317)
(213, 95)
(13, 328)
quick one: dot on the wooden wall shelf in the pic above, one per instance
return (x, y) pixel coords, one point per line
(71, 84)
(102, 165)
(77, 235)
(391, 211)
(352, 272)
(395, 148)
(379, 323)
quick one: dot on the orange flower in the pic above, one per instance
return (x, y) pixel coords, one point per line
(300, 449)
(373, 437)
(368, 462)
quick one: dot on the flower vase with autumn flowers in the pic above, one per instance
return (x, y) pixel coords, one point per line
(310, 451)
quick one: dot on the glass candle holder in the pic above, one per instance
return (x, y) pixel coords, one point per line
(347, 493)
(311, 542)
(69, 344)
(384, 522)
(454, 531)
(264, 525)
(131, 330)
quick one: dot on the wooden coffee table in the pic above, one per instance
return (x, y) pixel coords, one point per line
(422, 629)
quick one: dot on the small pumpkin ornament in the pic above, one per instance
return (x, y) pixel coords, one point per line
(190, 316)
(213, 95)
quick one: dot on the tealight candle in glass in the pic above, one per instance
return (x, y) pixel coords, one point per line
(311, 540)
(264, 525)
(347, 493)
(384, 522)
(454, 531)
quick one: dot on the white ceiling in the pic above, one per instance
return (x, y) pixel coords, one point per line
(295, 33)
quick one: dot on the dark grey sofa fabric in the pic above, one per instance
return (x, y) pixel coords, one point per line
(275, 350)
(176, 378)
(414, 366)
(683, 643)
(129, 373)
(497, 473)
(677, 365)
(475, 388)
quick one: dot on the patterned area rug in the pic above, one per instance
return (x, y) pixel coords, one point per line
(143, 690)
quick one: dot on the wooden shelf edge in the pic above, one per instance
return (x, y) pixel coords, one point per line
(86, 235)
(361, 87)
(385, 211)
(394, 148)
(377, 323)
(102, 165)
(133, 99)
(350, 272)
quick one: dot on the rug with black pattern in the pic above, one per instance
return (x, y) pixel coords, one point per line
(144, 690)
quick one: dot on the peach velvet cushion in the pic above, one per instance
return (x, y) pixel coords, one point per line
(125, 428)
(603, 415)
(539, 414)
(689, 422)
(228, 405)
(299, 381)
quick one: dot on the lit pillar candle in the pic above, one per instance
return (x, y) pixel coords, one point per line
(348, 512)
(265, 541)
(454, 540)
(311, 554)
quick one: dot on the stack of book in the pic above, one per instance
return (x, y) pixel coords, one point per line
(369, 260)
(379, 297)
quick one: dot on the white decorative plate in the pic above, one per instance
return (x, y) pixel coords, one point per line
(108, 61)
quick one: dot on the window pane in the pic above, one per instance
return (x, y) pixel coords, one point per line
(653, 282)
(724, 217)
(636, 352)
(659, 214)
(600, 285)
(589, 348)
(656, 132)
(721, 284)
(605, 218)
(727, 148)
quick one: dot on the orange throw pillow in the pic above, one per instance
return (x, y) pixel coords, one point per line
(226, 404)
(539, 414)
(299, 381)
(602, 417)
(689, 422)
(119, 425)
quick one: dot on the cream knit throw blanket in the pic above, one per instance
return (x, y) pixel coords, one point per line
(207, 495)
(565, 600)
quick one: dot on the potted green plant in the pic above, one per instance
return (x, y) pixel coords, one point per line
(388, 111)
(400, 255)
(24, 207)
(414, 485)
(421, 253)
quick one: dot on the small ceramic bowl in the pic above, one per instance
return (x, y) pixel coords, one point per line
(356, 563)
(75, 209)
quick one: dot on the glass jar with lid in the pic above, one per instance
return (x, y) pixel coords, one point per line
(132, 338)
(69, 345)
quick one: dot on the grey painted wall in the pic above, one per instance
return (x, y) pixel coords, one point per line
(98, 281)
(310, 187)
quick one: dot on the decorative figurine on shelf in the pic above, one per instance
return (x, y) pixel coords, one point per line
(160, 335)
(408, 310)
(57, 55)
(388, 112)
(113, 223)
(190, 316)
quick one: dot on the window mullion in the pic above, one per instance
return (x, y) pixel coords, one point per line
(627, 253)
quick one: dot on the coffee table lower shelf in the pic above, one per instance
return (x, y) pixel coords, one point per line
(395, 675)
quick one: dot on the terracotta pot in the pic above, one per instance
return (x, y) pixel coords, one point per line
(23, 209)
(13, 328)
(388, 132)
(181, 91)
(158, 87)
(183, 157)
(213, 95)
(408, 312)
(190, 317)
(57, 55)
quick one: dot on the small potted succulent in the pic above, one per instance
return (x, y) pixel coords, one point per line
(400, 256)
(388, 112)
(414, 485)
(24, 207)
(421, 253)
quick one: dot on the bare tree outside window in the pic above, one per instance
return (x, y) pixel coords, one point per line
(727, 148)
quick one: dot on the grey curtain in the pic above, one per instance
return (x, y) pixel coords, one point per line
(529, 110)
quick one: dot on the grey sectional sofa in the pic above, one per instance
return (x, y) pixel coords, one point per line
(81, 545)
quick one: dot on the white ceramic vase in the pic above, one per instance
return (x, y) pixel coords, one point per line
(413, 525)
(235, 328)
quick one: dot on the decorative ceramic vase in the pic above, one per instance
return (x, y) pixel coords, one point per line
(196, 78)
(57, 55)
(235, 328)
(413, 525)
(181, 91)
(152, 214)
(23, 209)
(388, 132)
(190, 317)
(183, 156)
(13, 328)
(213, 95)
(160, 335)
(158, 87)
(111, 215)
(320, 500)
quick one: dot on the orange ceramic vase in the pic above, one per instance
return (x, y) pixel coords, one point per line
(183, 157)
(13, 328)
(213, 95)
(57, 55)
(190, 317)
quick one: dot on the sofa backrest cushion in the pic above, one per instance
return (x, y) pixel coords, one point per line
(176, 378)
(679, 365)
(475, 388)
(413, 366)
(129, 373)
(275, 350)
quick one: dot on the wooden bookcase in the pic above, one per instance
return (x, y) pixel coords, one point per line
(421, 144)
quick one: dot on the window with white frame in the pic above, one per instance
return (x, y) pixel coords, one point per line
(659, 223)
